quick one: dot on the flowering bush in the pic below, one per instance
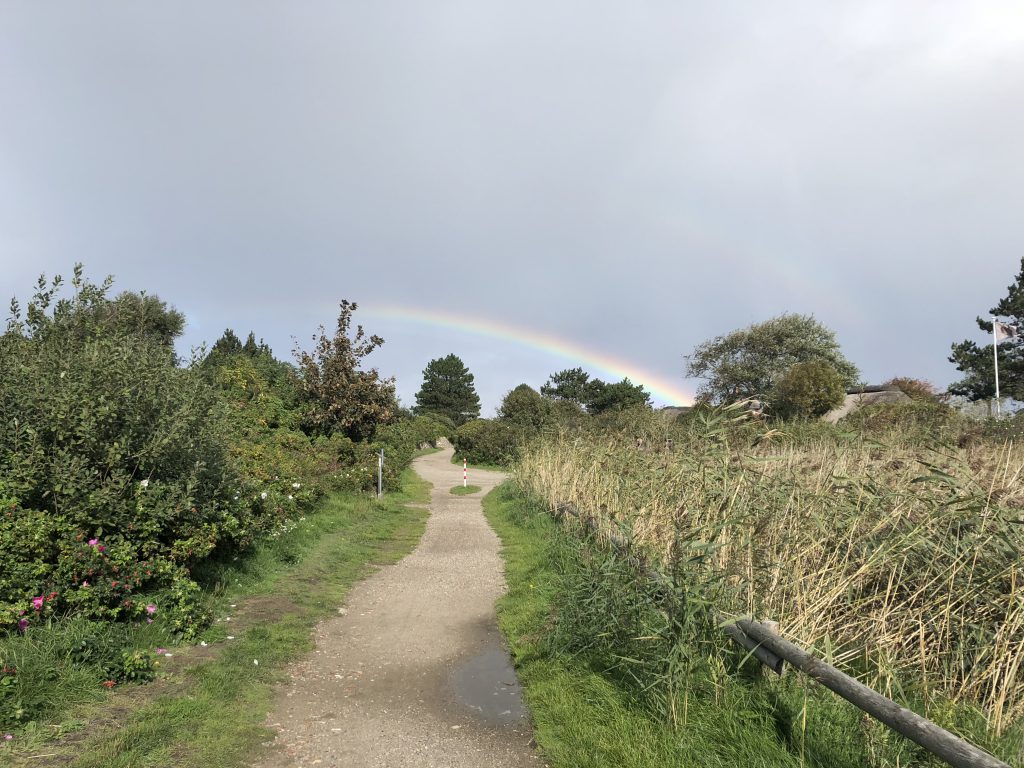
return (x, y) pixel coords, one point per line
(122, 471)
(103, 437)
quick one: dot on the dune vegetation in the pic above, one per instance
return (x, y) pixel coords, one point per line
(890, 545)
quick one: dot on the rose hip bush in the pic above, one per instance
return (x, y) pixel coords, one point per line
(122, 470)
(104, 437)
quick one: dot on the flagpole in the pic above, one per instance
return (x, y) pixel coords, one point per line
(995, 359)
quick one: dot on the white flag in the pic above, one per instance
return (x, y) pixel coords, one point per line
(1004, 331)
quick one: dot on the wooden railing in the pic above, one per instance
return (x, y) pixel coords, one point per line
(765, 644)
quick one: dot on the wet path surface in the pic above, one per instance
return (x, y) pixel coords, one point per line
(413, 671)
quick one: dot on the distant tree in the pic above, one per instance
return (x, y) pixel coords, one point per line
(749, 362)
(227, 344)
(808, 390)
(976, 361)
(573, 385)
(616, 397)
(340, 397)
(524, 407)
(448, 391)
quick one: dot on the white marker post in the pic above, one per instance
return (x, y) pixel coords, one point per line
(995, 359)
(465, 473)
(380, 473)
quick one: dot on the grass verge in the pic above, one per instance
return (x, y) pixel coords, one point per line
(465, 490)
(585, 716)
(209, 707)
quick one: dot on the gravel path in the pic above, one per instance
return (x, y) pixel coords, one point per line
(413, 670)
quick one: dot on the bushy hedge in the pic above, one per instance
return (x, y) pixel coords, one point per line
(486, 441)
(121, 470)
(115, 476)
(913, 421)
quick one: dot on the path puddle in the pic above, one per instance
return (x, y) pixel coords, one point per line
(487, 685)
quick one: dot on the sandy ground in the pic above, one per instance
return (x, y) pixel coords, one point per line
(413, 671)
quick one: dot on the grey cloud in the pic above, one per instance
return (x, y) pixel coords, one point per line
(633, 177)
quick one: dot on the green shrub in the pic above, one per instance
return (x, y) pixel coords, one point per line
(115, 464)
(1005, 429)
(526, 409)
(915, 389)
(916, 421)
(483, 441)
(808, 390)
(106, 439)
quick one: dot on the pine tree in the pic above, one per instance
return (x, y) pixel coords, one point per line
(976, 361)
(572, 384)
(448, 391)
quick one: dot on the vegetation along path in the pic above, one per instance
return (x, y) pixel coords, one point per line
(413, 671)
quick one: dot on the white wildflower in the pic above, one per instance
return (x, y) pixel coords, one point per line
(296, 486)
(263, 495)
(144, 483)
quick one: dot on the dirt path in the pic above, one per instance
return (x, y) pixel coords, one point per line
(413, 670)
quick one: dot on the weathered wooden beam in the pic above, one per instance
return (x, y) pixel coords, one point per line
(932, 737)
(774, 662)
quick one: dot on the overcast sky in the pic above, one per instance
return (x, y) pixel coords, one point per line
(628, 178)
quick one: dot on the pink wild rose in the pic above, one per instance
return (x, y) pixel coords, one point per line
(37, 603)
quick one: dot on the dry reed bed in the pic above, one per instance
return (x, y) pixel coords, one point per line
(902, 564)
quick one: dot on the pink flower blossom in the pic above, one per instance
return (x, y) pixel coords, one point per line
(93, 542)
(161, 651)
(8, 737)
(85, 583)
(22, 625)
(151, 609)
(37, 603)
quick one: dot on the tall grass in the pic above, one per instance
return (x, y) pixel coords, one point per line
(900, 563)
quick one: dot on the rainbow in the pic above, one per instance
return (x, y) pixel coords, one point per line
(661, 388)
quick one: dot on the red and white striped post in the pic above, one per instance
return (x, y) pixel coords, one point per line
(465, 474)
